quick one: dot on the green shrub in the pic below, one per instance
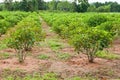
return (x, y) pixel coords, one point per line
(95, 20)
(3, 26)
(107, 55)
(21, 40)
(1, 17)
(90, 41)
(24, 35)
(10, 19)
(4, 56)
(111, 26)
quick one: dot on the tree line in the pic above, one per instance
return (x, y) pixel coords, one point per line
(73, 6)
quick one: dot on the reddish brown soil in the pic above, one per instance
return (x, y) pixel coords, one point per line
(115, 47)
(29, 65)
(77, 65)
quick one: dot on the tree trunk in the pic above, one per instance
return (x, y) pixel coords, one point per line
(91, 57)
(91, 60)
(21, 56)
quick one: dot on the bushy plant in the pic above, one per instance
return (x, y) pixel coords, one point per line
(110, 26)
(24, 35)
(95, 20)
(90, 41)
(1, 17)
(10, 19)
(3, 26)
(21, 40)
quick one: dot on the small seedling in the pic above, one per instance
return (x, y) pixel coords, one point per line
(43, 56)
(4, 56)
(107, 55)
(63, 56)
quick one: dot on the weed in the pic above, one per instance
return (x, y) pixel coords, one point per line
(55, 45)
(107, 55)
(41, 44)
(47, 76)
(4, 56)
(63, 56)
(84, 78)
(43, 56)
(2, 45)
(76, 78)
(7, 74)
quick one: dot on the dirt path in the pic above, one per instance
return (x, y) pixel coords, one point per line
(47, 30)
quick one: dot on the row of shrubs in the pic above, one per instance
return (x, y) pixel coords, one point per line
(68, 23)
(88, 32)
(23, 36)
(10, 19)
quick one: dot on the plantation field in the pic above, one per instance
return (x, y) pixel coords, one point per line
(59, 46)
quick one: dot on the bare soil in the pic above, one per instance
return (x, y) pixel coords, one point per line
(77, 65)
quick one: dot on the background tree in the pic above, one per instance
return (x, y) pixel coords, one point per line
(65, 6)
(74, 6)
(103, 9)
(97, 4)
(8, 5)
(1, 6)
(34, 5)
(53, 5)
(16, 5)
(29, 5)
(24, 5)
(82, 5)
(42, 5)
(91, 8)
(115, 7)
(107, 7)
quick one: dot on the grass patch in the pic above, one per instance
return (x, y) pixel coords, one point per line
(107, 55)
(8, 74)
(2, 45)
(75, 78)
(55, 44)
(85, 78)
(41, 44)
(4, 56)
(63, 56)
(3, 42)
(34, 76)
(43, 56)
(49, 76)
